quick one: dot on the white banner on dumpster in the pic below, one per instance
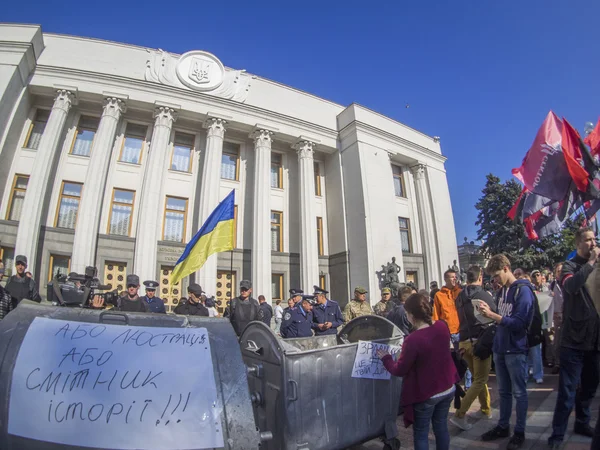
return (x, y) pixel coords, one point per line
(366, 362)
(115, 386)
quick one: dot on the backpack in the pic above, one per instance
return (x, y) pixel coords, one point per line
(534, 331)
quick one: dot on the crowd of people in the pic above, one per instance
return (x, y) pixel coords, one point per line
(453, 334)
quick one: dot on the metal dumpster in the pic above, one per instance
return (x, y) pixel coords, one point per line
(78, 378)
(304, 394)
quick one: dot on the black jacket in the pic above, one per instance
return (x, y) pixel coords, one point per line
(265, 313)
(191, 309)
(399, 318)
(580, 329)
(22, 288)
(469, 325)
(242, 312)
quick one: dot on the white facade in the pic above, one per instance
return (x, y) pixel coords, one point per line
(113, 155)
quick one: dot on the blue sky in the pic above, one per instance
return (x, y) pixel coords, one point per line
(482, 75)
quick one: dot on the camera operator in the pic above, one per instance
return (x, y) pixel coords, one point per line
(20, 286)
(131, 302)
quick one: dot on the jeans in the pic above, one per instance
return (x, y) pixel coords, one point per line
(434, 410)
(277, 325)
(455, 338)
(479, 389)
(511, 375)
(535, 362)
(576, 368)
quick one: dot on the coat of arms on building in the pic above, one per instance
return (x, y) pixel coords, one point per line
(199, 71)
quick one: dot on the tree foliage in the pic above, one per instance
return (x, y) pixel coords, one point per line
(502, 235)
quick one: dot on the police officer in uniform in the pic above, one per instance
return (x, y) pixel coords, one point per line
(20, 286)
(131, 301)
(155, 304)
(296, 296)
(193, 306)
(243, 309)
(298, 321)
(327, 315)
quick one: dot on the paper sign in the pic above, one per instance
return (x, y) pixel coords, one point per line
(366, 362)
(114, 386)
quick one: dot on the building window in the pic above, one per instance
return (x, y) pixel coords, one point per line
(398, 181)
(181, 159)
(133, 144)
(276, 171)
(84, 136)
(235, 221)
(412, 277)
(7, 256)
(320, 235)
(404, 225)
(277, 286)
(17, 196)
(322, 282)
(175, 218)
(68, 205)
(59, 264)
(121, 212)
(230, 161)
(317, 179)
(115, 274)
(276, 234)
(36, 129)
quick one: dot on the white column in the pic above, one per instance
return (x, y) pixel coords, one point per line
(88, 217)
(261, 233)
(29, 225)
(151, 203)
(210, 193)
(309, 251)
(430, 251)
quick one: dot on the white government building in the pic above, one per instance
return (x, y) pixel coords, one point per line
(113, 155)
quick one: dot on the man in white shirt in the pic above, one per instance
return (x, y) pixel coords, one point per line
(278, 315)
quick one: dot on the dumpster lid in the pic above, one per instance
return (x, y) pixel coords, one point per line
(368, 328)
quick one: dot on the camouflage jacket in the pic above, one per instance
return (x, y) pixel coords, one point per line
(354, 309)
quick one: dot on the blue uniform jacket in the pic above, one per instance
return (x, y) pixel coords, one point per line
(155, 304)
(296, 323)
(329, 312)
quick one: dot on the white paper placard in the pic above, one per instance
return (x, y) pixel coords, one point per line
(366, 362)
(114, 386)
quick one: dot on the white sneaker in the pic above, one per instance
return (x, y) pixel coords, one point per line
(479, 415)
(461, 423)
(539, 381)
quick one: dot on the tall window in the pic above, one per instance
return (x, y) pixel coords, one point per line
(317, 179)
(133, 144)
(404, 234)
(68, 205)
(121, 212)
(84, 137)
(277, 286)
(36, 129)
(181, 160)
(398, 181)
(320, 235)
(322, 282)
(7, 255)
(276, 234)
(59, 264)
(17, 196)
(230, 161)
(276, 171)
(235, 222)
(175, 217)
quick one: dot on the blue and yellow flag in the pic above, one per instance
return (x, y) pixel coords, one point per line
(216, 235)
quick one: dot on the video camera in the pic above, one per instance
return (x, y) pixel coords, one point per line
(79, 290)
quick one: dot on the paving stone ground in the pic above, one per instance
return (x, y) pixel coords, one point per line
(542, 399)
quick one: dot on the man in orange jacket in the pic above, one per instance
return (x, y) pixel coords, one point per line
(444, 306)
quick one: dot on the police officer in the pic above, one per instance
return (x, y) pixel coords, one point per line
(384, 306)
(298, 321)
(296, 296)
(20, 286)
(265, 311)
(327, 315)
(358, 306)
(131, 301)
(155, 304)
(243, 309)
(193, 306)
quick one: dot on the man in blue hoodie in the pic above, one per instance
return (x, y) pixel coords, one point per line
(515, 307)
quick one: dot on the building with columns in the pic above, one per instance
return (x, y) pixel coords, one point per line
(113, 155)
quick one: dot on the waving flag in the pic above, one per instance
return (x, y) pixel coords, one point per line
(215, 235)
(593, 140)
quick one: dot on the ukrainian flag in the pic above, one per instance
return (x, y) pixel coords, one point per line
(216, 235)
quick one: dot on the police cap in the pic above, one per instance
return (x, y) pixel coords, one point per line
(133, 280)
(295, 292)
(318, 290)
(151, 285)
